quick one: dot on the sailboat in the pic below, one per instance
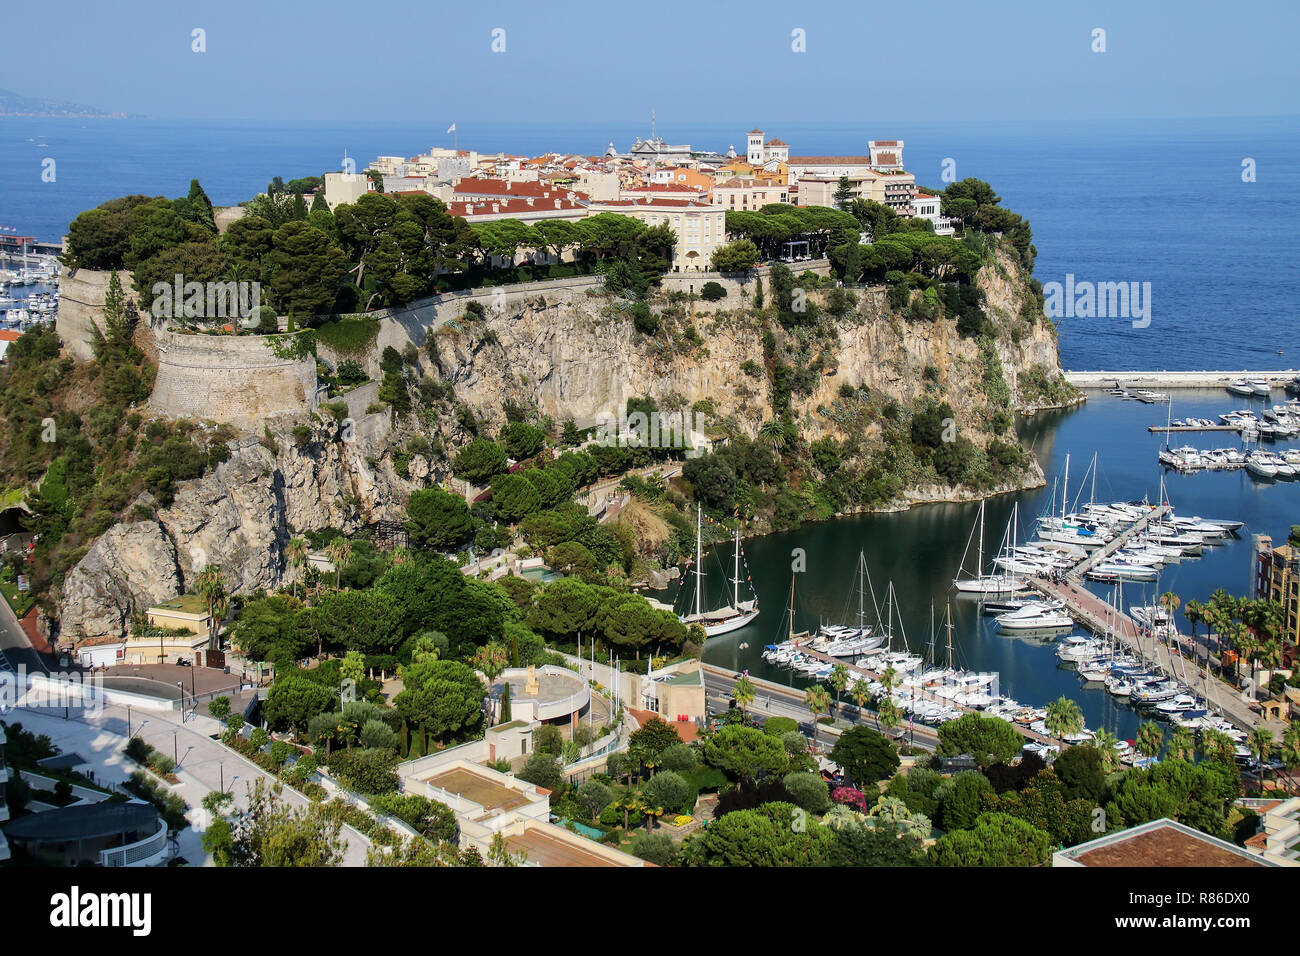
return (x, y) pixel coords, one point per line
(725, 619)
(992, 584)
(851, 640)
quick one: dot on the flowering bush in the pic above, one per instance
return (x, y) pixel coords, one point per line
(682, 819)
(850, 797)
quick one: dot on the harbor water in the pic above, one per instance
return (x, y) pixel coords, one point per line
(920, 551)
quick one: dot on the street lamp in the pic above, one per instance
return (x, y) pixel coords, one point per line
(175, 749)
(223, 775)
(180, 684)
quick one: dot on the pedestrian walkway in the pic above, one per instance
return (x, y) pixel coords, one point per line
(1105, 619)
(203, 764)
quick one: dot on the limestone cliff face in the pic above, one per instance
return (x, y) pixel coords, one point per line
(570, 353)
(578, 357)
(238, 517)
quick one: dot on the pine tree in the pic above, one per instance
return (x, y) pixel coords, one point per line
(505, 704)
(319, 203)
(843, 193)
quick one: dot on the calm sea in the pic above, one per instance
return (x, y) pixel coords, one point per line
(1159, 201)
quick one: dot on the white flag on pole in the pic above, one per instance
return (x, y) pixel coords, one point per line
(451, 128)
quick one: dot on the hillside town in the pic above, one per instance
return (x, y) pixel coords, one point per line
(654, 182)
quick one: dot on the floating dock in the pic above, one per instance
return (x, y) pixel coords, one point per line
(1164, 379)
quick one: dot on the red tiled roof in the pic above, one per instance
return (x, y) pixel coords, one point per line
(508, 207)
(776, 142)
(830, 160)
(654, 202)
(9, 335)
(752, 131)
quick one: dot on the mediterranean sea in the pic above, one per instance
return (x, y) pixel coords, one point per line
(1158, 201)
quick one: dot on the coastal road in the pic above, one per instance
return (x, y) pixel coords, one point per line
(777, 700)
(15, 650)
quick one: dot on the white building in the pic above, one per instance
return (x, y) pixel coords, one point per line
(926, 206)
(343, 188)
(701, 227)
(765, 154)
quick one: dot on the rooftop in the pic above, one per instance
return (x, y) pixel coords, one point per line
(185, 604)
(1162, 842)
(479, 788)
(548, 849)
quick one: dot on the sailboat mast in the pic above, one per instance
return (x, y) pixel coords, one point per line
(735, 578)
(1065, 487)
(949, 635)
(699, 560)
(862, 581)
(1092, 496)
(980, 567)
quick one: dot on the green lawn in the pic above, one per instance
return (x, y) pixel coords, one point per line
(20, 602)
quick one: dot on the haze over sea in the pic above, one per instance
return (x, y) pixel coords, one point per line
(1159, 201)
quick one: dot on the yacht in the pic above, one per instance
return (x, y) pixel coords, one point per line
(1075, 648)
(1241, 387)
(1260, 387)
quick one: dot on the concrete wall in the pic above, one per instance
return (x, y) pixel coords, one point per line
(229, 378)
(735, 283)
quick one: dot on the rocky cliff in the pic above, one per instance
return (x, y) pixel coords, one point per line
(238, 517)
(570, 354)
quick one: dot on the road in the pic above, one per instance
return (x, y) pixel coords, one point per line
(777, 700)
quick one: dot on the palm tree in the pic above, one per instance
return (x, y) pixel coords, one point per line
(1170, 602)
(1150, 737)
(211, 586)
(1106, 743)
(1182, 745)
(818, 699)
(490, 659)
(296, 552)
(772, 432)
(891, 715)
(339, 551)
(1063, 718)
(1261, 743)
(838, 680)
(1193, 611)
(743, 691)
(401, 556)
(1290, 748)
(861, 693)
(1218, 746)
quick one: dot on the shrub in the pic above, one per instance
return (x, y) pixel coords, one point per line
(670, 790)
(809, 791)
(713, 291)
(656, 848)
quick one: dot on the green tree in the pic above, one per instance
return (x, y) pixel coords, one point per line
(988, 740)
(996, 839)
(1150, 738)
(1064, 718)
(865, 755)
(738, 256)
(438, 519)
(765, 836)
(745, 752)
(445, 697)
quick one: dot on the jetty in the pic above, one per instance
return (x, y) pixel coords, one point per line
(1174, 429)
(1165, 379)
(1098, 555)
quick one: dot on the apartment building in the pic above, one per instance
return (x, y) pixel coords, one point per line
(1277, 578)
(746, 195)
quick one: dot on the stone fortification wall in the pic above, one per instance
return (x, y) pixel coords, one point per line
(229, 378)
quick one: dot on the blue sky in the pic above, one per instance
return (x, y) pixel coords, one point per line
(692, 61)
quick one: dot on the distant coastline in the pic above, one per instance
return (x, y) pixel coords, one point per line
(35, 107)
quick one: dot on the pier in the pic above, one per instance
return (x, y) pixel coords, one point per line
(1164, 379)
(1174, 429)
(1090, 561)
(1105, 619)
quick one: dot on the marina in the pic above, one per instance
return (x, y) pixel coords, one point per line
(918, 553)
